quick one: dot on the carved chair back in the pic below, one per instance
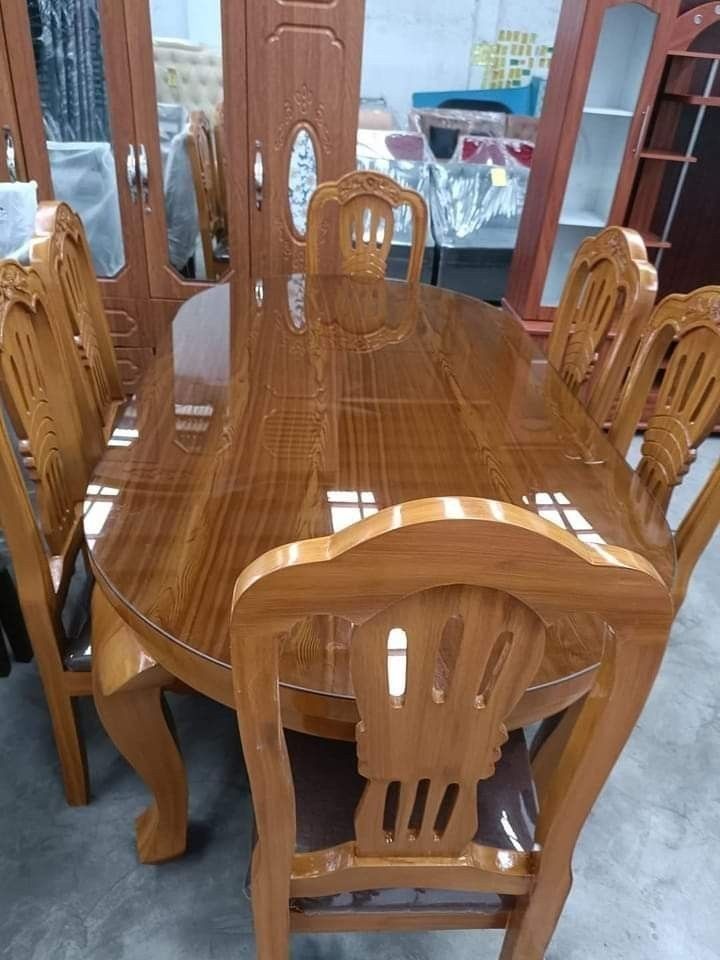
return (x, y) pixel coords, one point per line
(61, 254)
(679, 354)
(466, 591)
(365, 202)
(610, 289)
(205, 181)
(40, 406)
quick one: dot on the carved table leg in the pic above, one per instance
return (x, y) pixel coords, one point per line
(127, 687)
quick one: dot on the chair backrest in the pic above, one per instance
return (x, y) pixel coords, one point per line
(680, 355)
(38, 579)
(61, 254)
(610, 289)
(365, 201)
(221, 164)
(205, 181)
(469, 588)
(35, 391)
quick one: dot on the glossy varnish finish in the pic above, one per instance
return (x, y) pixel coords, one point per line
(513, 577)
(61, 255)
(284, 410)
(682, 414)
(610, 289)
(303, 70)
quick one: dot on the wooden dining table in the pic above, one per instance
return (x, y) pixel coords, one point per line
(285, 409)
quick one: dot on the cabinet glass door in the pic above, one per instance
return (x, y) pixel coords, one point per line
(623, 49)
(71, 80)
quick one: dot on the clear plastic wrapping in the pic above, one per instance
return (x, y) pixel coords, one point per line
(477, 204)
(18, 205)
(403, 156)
(183, 225)
(84, 176)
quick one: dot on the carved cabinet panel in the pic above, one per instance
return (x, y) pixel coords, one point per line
(304, 56)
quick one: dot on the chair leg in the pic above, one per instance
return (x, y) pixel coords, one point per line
(69, 741)
(271, 915)
(534, 918)
(127, 688)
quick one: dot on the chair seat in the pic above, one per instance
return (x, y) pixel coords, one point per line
(76, 654)
(328, 788)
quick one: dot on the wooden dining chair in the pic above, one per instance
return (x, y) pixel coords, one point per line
(205, 180)
(431, 820)
(680, 358)
(221, 163)
(364, 202)
(60, 253)
(42, 447)
(606, 301)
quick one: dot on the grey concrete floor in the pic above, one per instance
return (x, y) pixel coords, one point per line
(647, 874)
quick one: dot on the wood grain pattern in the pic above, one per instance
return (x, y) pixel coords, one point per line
(303, 65)
(60, 253)
(204, 166)
(610, 289)
(128, 693)
(470, 655)
(684, 412)
(395, 567)
(34, 384)
(36, 373)
(281, 411)
(365, 203)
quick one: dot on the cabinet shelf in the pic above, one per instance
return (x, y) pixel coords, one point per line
(653, 242)
(607, 111)
(694, 54)
(581, 218)
(694, 99)
(667, 155)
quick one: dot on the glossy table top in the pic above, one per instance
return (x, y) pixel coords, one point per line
(289, 408)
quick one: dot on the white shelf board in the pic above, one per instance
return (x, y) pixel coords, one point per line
(607, 111)
(580, 218)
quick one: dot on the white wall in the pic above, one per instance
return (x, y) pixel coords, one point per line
(196, 20)
(415, 45)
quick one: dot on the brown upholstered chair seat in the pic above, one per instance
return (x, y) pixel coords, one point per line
(328, 788)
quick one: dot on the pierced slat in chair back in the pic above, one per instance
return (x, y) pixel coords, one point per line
(61, 252)
(473, 585)
(365, 202)
(466, 656)
(36, 393)
(610, 288)
(682, 347)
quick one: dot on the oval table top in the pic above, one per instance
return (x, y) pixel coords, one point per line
(288, 408)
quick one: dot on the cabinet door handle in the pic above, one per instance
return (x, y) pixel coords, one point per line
(10, 153)
(258, 175)
(131, 173)
(643, 129)
(144, 169)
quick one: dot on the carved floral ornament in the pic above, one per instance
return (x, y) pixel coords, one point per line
(380, 187)
(14, 281)
(303, 108)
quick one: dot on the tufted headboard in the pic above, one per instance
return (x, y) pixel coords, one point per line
(189, 74)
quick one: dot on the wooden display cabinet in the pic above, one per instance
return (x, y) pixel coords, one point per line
(606, 68)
